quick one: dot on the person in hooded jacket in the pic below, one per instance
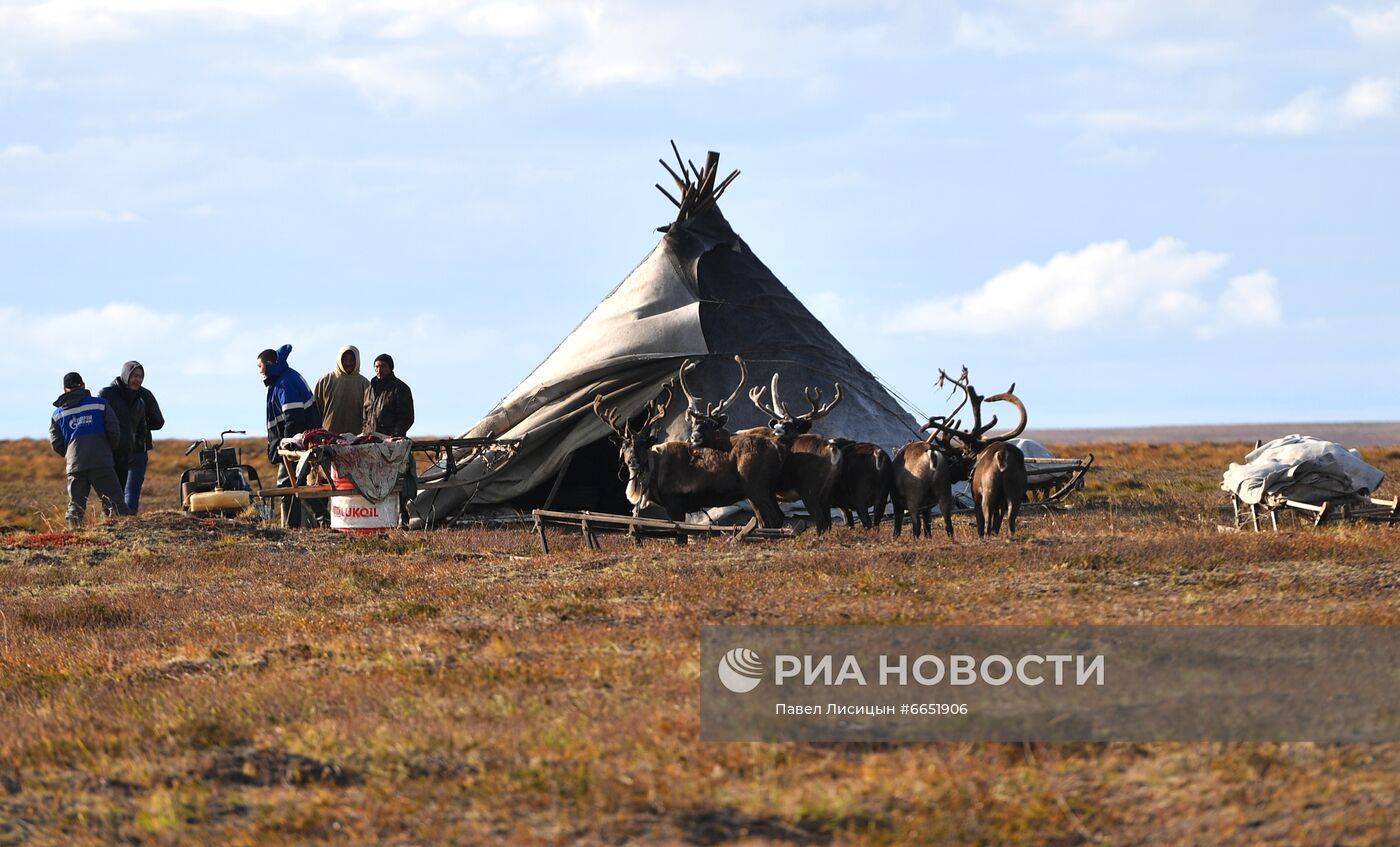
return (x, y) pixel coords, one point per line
(85, 431)
(291, 409)
(341, 394)
(139, 413)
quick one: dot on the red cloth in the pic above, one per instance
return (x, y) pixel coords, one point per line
(317, 437)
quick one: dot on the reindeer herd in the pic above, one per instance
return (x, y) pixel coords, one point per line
(786, 462)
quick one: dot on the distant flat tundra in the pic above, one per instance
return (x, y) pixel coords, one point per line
(1353, 434)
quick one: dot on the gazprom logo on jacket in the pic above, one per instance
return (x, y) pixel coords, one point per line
(741, 670)
(76, 421)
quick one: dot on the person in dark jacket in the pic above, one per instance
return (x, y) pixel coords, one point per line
(291, 409)
(139, 413)
(388, 400)
(389, 411)
(85, 431)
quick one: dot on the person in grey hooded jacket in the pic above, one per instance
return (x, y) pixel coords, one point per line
(341, 394)
(139, 413)
(84, 430)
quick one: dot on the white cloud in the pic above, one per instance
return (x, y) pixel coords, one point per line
(399, 76)
(201, 363)
(1315, 111)
(19, 151)
(989, 31)
(1105, 286)
(1248, 301)
(1370, 98)
(1302, 115)
(1146, 120)
(652, 48)
(1381, 24)
(1181, 34)
(68, 216)
(1311, 112)
(76, 21)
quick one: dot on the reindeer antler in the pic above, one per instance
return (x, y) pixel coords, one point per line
(814, 397)
(959, 383)
(776, 410)
(609, 417)
(691, 401)
(656, 409)
(975, 438)
(1008, 396)
(721, 408)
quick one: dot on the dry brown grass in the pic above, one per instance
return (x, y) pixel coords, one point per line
(173, 680)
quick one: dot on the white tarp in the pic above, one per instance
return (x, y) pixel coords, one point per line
(1033, 449)
(1303, 468)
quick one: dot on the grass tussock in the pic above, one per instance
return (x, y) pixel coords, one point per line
(172, 680)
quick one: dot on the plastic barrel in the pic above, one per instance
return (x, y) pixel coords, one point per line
(352, 513)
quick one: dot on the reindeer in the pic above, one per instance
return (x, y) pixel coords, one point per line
(923, 474)
(813, 463)
(997, 469)
(707, 423)
(680, 478)
(865, 482)
(999, 487)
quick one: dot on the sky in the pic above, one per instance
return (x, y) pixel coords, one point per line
(1140, 212)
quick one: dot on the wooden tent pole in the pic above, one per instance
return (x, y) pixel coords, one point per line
(558, 481)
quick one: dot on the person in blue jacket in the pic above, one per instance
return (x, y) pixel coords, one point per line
(85, 431)
(291, 409)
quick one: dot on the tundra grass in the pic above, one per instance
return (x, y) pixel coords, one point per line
(175, 680)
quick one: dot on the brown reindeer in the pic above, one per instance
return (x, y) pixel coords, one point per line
(923, 475)
(707, 420)
(863, 487)
(998, 487)
(997, 469)
(680, 478)
(813, 462)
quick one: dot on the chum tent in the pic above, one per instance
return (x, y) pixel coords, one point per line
(700, 294)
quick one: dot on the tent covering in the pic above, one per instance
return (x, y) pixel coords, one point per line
(702, 294)
(1303, 468)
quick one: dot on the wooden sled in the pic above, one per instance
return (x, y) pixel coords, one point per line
(593, 524)
(1047, 482)
(1358, 508)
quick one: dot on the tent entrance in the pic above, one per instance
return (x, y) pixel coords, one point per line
(590, 483)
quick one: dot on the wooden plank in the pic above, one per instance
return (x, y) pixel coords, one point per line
(597, 522)
(544, 539)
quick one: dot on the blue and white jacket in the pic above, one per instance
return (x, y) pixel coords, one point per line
(291, 407)
(85, 430)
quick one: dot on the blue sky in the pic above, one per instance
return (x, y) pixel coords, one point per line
(1140, 212)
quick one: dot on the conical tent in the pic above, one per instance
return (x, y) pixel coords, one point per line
(700, 294)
